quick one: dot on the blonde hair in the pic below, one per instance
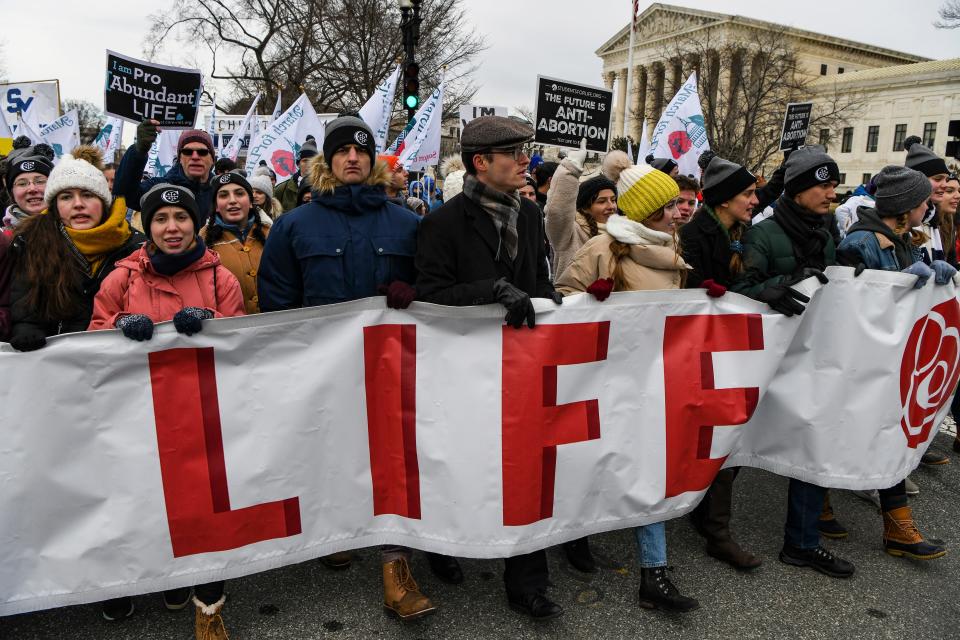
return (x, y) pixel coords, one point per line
(917, 237)
(620, 250)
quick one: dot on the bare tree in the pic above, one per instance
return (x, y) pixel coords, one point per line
(90, 116)
(745, 85)
(949, 15)
(335, 50)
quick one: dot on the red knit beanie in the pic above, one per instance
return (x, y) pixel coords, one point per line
(195, 135)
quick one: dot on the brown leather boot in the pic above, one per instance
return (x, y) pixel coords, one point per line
(902, 538)
(338, 561)
(712, 520)
(401, 595)
(828, 525)
(208, 623)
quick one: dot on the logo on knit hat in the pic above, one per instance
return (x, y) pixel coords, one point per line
(823, 174)
(27, 166)
(170, 196)
(224, 179)
(361, 137)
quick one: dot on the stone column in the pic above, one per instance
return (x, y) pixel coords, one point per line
(659, 103)
(640, 102)
(620, 98)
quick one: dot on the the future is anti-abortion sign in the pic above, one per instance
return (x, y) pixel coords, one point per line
(136, 90)
(567, 113)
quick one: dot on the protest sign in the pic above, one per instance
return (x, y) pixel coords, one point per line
(681, 132)
(796, 125)
(440, 428)
(39, 102)
(136, 90)
(473, 111)
(568, 112)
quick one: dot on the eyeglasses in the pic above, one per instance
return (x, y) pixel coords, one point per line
(37, 182)
(203, 153)
(515, 152)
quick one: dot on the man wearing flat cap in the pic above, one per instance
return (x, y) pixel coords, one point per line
(486, 246)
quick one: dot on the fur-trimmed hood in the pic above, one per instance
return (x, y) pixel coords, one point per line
(321, 178)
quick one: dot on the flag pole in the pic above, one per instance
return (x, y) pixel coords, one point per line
(626, 101)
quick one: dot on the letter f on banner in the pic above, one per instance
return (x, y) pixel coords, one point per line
(192, 465)
(533, 424)
(693, 404)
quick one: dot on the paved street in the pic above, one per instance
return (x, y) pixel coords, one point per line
(887, 598)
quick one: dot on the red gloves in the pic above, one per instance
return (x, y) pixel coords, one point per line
(714, 290)
(399, 294)
(601, 289)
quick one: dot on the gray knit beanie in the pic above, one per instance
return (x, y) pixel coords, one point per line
(807, 167)
(922, 159)
(723, 180)
(899, 190)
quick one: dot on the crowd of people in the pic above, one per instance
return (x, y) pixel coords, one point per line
(87, 248)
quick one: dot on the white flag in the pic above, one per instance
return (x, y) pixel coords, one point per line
(281, 142)
(232, 149)
(644, 147)
(258, 132)
(63, 134)
(162, 154)
(6, 137)
(276, 108)
(681, 133)
(109, 138)
(421, 147)
(24, 129)
(376, 112)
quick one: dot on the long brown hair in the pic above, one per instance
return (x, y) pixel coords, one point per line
(917, 237)
(48, 266)
(620, 250)
(736, 260)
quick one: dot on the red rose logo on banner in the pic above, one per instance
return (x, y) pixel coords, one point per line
(929, 372)
(679, 143)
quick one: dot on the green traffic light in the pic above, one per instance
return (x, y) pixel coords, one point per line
(412, 102)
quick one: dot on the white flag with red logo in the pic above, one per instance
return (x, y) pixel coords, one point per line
(681, 133)
(232, 150)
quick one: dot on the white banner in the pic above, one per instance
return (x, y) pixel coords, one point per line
(421, 146)
(38, 101)
(109, 138)
(644, 148)
(377, 110)
(163, 153)
(232, 148)
(25, 129)
(63, 134)
(681, 133)
(470, 112)
(281, 142)
(272, 439)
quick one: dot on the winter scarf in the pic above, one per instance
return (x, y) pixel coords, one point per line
(241, 234)
(869, 220)
(503, 209)
(807, 231)
(91, 246)
(169, 264)
(623, 229)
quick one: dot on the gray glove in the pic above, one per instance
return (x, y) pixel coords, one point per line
(135, 326)
(943, 270)
(922, 271)
(518, 304)
(190, 320)
(146, 136)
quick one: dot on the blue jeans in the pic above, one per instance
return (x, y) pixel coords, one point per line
(651, 545)
(804, 505)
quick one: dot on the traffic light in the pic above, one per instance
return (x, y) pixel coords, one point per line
(411, 85)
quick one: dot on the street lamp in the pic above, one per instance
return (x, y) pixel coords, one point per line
(410, 28)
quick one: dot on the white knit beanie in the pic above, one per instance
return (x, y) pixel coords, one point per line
(74, 173)
(262, 184)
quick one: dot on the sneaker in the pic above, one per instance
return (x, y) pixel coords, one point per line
(934, 459)
(872, 496)
(912, 488)
(818, 559)
(117, 609)
(176, 599)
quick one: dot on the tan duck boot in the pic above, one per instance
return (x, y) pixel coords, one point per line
(902, 538)
(401, 595)
(208, 624)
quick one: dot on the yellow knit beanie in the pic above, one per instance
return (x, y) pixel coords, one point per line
(643, 190)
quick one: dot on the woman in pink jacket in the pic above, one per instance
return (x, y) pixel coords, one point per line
(172, 277)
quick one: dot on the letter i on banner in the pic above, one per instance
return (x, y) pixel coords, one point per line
(192, 464)
(390, 376)
(533, 423)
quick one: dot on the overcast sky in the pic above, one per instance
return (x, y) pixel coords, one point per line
(66, 40)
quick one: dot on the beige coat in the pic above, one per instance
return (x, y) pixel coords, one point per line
(653, 261)
(567, 228)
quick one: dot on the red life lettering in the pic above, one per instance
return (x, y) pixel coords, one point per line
(693, 405)
(192, 464)
(390, 374)
(533, 424)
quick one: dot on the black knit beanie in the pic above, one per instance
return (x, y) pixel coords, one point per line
(590, 188)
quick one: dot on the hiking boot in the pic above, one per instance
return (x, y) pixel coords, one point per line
(536, 605)
(117, 609)
(911, 487)
(338, 561)
(208, 622)
(934, 459)
(579, 556)
(176, 599)
(657, 592)
(401, 595)
(828, 525)
(819, 559)
(733, 554)
(872, 496)
(902, 538)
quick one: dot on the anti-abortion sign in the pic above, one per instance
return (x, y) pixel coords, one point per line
(136, 90)
(796, 124)
(37, 102)
(567, 113)
(473, 111)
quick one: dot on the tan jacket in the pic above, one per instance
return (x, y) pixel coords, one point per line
(653, 261)
(243, 261)
(567, 229)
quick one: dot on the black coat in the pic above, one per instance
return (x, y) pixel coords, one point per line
(457, 255)
(706, 248)
(26, 319)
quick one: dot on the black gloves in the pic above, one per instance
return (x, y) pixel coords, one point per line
(135, 326)
(783, 299)
(556, 296)
(810, 272)
(860, 268)
(517, 303)
(146, 136)
(29, 340)
(190, 320)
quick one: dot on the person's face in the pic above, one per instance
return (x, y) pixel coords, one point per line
(951, 198)
(196, 160)
(350, 164)
(502, 169)
(740, 207)
(675, 172)
(233, 204)
(302, 165)
(109, 175)
(172, 230)
(398, 177)
(915, 216)
(686, 205)
(79, 209)
(28, 191)
(259, 198)
(939, 183)
(817, 198)
(665, 220)
(527, 191)
(308, 197)
(604, 206)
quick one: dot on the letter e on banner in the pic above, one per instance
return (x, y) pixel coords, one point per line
(192, 464)
(533, 424)
(390, 376)
(693, 406)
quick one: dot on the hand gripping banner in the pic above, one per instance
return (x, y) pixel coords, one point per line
(267, 440)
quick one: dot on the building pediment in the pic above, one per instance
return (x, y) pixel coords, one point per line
(658, 21)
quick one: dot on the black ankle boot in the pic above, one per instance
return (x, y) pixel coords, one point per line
(579, 556)
(657, 592)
